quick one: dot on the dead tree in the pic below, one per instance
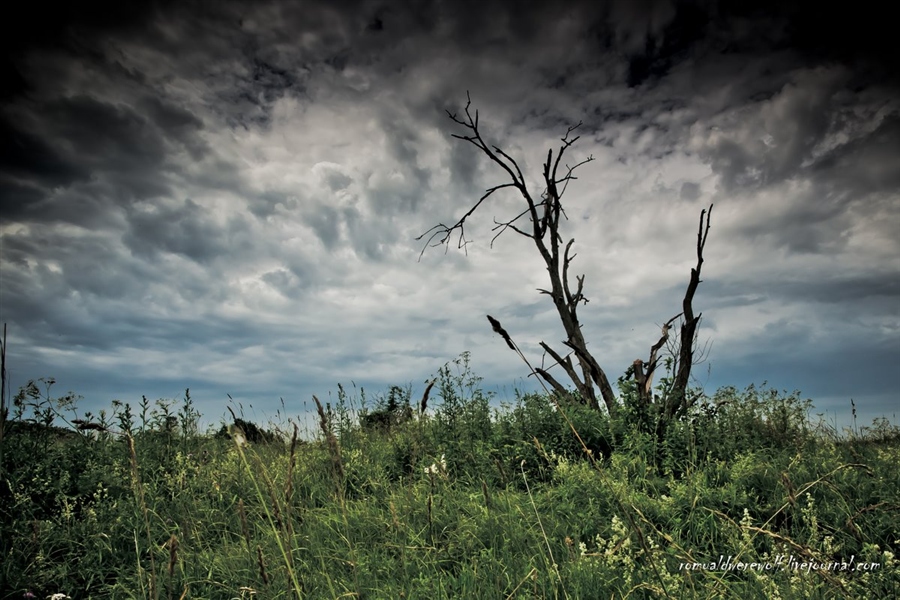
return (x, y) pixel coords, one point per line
(543, 220)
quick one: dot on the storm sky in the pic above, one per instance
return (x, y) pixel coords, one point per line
(226, 196)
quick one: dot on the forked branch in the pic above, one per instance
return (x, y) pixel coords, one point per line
(583, 369)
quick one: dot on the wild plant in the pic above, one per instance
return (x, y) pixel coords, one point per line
(344, 410)
(188, 417)
(146, 413)
(395, 512)
(462, 424)
(124, 417)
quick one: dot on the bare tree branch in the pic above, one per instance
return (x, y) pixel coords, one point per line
(644, 377)
(689, 326)
(545, 220)
(557, 386)
(446, 232)
(566, 364)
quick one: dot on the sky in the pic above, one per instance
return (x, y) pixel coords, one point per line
(228, 196)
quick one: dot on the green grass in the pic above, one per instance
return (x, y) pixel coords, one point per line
(149, 507)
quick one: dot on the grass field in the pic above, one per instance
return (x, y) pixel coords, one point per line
(746, 499)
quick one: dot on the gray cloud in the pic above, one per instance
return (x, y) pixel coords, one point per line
(186, 229)
(228, 199)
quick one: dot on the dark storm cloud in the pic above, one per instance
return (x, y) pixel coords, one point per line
(814, 128)
(82, 155)
(26, 155)
(176, 123)
(245, 180)
(97, 132)
(183, 229)
(839, 290)
(659, 35)
(72, 299)
(869, 163)
(70, 26)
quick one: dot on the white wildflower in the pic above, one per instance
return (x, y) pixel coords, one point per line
(438, 468)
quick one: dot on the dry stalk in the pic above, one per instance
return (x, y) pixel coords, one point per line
(430, 504)
(531, 573)
(276, 509)
(173, 560)
(289, 493)
(424, 403)
(487, 495)
(262, 565)
(333, 446)
(245, 529)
